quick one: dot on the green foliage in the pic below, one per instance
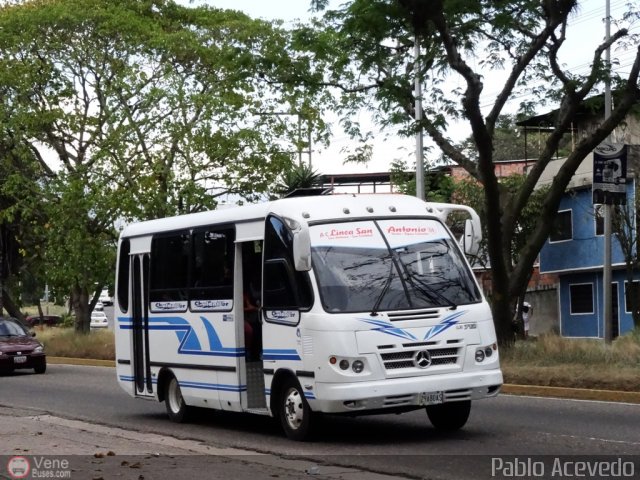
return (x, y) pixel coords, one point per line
(439, 186)
(296, 177)
(132, 110)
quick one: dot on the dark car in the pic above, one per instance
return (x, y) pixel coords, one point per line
(18, 348)
(50, 320)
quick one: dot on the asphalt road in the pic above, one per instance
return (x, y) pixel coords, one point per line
(393, 444)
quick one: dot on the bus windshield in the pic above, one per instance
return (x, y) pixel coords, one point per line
(387, 265)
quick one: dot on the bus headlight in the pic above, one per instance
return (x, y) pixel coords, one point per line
(346, 365)
(484, 353)
(357, 366)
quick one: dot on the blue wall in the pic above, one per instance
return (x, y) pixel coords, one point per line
(591, 325)
(585, 250)
(579, 261)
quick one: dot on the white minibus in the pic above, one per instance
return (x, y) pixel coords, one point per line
(335, 304)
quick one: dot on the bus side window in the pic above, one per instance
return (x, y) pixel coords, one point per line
(169, 267)
(213, 259)
(123, 275)
(284, 287)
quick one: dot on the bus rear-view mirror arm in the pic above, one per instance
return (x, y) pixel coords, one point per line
(302, 249)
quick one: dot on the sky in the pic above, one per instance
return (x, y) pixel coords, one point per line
(585, 32)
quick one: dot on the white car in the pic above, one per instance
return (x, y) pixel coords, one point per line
(105, 298)
(99, 320)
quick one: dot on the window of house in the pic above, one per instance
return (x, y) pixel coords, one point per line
(581, 298)
(598, 214)
(562, 227)
(629, 289)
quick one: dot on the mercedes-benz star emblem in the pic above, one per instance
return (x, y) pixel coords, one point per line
(422, 359)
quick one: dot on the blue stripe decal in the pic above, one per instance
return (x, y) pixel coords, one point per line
(189, 342)
(128, 378)
(201, 385)
(447, 323)
(309, 395)
(389, 328)
(214, 386)
(280, 354)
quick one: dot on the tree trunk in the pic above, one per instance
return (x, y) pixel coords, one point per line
(502, 318)
(11, 307)
(80, 302)
(1, 270)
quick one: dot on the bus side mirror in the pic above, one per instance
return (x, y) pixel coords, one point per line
(302, 250)
(472, 236)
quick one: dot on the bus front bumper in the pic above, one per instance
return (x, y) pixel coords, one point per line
(401, 393)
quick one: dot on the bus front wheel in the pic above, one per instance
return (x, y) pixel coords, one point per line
(295, 414)
(177, 410)
(450, 416)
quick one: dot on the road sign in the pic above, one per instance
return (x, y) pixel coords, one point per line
(610, 174)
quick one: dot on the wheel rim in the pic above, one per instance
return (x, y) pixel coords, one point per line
(293, 408)
(174, 396)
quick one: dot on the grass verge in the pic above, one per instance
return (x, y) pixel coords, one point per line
(551, 360)
(65, 342)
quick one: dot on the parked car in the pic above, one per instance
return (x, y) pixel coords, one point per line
(50, 320)
(98, 320)
(99, 307)
(18, 347)
(105, 298)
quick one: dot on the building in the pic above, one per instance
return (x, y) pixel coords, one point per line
(575, 253)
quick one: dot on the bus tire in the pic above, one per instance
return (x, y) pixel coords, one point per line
(295, 414)
(177, 410)
(449, 417)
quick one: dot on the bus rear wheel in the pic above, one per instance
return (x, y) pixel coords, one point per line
(295, 414)
(177, 410)
(449, 417)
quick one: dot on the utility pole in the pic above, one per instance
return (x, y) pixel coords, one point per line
(418, 118)
(606, 271)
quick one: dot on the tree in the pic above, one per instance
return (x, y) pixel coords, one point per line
(509, 142)
(369, 46)
(135, 110)
(624, 224)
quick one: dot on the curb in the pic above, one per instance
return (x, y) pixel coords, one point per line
(80, 361)
(510, 389)
(572, 393)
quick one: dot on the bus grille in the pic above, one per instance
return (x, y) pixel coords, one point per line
(414, 315)
(405, 358)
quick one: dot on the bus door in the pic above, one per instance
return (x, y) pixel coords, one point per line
(251, 254)
(142, 380)
(286, 292)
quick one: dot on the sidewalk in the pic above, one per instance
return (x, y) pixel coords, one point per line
(46, 446)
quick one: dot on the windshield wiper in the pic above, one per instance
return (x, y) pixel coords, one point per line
(426, 289)
(385, 289)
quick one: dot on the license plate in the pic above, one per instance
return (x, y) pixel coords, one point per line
(20, 359)
(431, 398)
